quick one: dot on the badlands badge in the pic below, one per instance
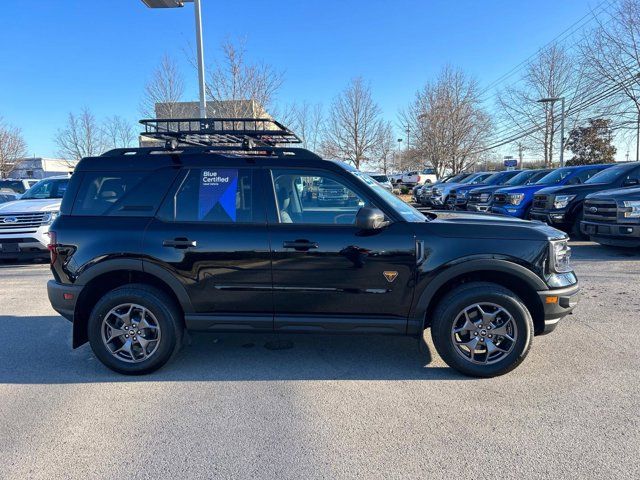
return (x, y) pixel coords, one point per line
(390, 276)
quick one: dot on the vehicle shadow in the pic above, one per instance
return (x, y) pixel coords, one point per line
(36, 350)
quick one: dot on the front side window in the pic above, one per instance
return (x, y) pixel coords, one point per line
(217, 195)
(313, 197)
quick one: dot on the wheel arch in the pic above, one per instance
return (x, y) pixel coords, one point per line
(107, 278)
(520, 280)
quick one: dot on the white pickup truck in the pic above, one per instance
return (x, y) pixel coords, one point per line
(415, 177)
(24, 223)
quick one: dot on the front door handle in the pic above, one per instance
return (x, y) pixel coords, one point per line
(300, 245)
(179, 242)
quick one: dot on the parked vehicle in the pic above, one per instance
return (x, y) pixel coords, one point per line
(332, 192)
(423, 195)
(150, 242)
(612, 217)
(18, 186)
(419, 177)
(517, 201)
(440, 193)
(480, 198)
(7, 196)
(24, 223)
(382, 179)
(459, 195)
(562, 206)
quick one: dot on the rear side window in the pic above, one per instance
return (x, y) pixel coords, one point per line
(130, 194)
(213, 195)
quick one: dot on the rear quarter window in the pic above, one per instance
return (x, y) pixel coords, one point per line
(122, 194)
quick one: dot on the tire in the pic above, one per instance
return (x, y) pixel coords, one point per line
(449, 314)
(161, 311)
(575, 233)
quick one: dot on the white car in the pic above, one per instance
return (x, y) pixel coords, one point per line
(24, 223)
(415, 177)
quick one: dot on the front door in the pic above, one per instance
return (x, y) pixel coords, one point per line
(329, 275)
(211, 233)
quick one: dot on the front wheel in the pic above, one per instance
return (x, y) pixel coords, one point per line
(135, 329)
(482, 329)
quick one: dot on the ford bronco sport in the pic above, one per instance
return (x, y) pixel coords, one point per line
(214, 232)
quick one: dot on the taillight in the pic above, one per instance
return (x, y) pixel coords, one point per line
(53, 240)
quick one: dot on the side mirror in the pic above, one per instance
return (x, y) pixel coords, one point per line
(370, 218)
(630, 182)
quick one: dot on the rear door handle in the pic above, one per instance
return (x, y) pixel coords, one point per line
(300, 245)
(180, 242)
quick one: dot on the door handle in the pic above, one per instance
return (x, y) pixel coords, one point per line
(420, 253)
(180, 242)
(300, 245)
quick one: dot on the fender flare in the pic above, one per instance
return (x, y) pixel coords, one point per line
(462, 267)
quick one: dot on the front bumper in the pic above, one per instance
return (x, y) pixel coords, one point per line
(554, 218)
(557, 304)
(510, 210)
(18, 243)
(478, 207)
(63, 298)
(613, 234)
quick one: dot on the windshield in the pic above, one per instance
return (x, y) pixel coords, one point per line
(555, 177)
(497, 178)
(428, 171)
(609, 175)
(406, 211)
(47, 189)
(380, 178)
(475, 178)
(456, 178)
(14, 185)
(528, 176)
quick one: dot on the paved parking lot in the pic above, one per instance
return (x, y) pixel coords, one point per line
(330, 407)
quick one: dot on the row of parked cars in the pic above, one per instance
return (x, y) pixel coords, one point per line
(597, 201)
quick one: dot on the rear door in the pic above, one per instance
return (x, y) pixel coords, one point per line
(328, 275)
(211, 234)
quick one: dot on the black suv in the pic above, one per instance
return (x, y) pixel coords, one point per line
(612, 217)
(562, 207)
(223, 237)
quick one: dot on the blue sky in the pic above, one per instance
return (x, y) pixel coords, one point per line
(59, 56)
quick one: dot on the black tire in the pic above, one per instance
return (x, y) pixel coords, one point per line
(460, 298)
(169, 318)
(575, 233)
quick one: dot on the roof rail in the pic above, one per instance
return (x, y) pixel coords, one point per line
(246, 133)
(232, 150)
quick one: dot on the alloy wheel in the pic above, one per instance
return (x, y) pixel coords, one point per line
(131, 332)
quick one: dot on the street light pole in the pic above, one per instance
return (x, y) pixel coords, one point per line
(199, 44)
(553, 100)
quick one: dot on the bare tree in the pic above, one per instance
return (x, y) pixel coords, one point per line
(12, 148)
(612, 53)
(166, 86)
(553, 73)
(353, 127)
(81, 137)
(118, 133)
(385, 152)
(307, 121)
(236, 79)
(446, 122)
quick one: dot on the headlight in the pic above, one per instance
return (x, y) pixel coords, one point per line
(484, 197)
(631, 208)
(437, 192)
(515, 198)
(49, 217)
(560, 256)
(561, 201)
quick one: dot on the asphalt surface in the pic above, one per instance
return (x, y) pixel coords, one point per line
(330, 407)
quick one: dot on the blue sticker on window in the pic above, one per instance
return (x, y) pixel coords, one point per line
(218, 190)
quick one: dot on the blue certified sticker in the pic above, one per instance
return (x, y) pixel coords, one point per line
(218, 190)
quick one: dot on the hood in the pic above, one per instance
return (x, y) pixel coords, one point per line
(29, 206)
(521, 189)
(493, 226)
(487, 189)
(583, 189)
(629, 193)
(468, 187)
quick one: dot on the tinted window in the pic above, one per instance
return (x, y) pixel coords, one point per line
(217, 195)
(136, 194)
(613, 174)
(555, 177)
(46, 189)
(380, 178)
(14, 185)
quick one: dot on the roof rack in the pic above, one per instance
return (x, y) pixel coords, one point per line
(246, 133)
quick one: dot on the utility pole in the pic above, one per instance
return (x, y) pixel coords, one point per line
(520, 149)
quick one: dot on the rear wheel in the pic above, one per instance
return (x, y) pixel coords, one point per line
(135, 329)
(482, 329)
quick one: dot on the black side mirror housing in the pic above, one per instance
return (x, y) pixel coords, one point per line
(630, 182)
(370, 218)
